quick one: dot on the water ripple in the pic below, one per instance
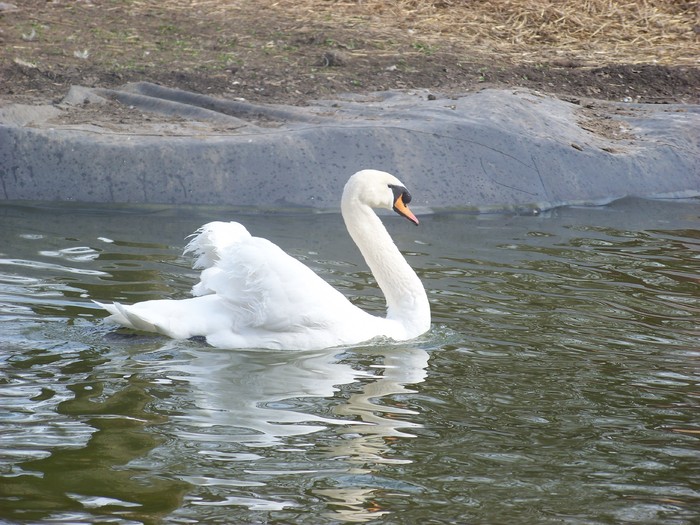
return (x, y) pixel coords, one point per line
(558, 384)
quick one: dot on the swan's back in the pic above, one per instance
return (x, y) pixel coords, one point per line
(266, 289)
(251, 294)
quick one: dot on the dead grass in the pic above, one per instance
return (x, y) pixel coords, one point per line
(294, 50)
(588, 32)
(594, 32)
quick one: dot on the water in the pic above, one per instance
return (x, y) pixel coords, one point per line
(559, 384)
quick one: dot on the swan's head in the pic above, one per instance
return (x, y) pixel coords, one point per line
(378, 189)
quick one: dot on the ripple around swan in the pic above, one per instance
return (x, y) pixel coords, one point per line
(558, 384)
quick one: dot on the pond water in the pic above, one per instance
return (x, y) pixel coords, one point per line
(560, 382)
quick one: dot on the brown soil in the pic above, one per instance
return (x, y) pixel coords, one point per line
(289, 51)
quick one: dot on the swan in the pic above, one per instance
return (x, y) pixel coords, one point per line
(251, 294)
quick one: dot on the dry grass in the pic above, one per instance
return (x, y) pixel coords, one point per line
(286, 49)
(590, 31)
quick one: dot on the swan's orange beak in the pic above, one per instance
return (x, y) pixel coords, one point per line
(401, 208)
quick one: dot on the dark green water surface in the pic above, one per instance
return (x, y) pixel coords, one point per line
(560, 382)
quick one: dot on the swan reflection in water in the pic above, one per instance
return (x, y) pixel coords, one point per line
(268, 400)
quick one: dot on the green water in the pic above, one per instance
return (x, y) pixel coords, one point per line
(559, 383)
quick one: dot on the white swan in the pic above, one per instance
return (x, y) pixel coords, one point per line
(253, 295)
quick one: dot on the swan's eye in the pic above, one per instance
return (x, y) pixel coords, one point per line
(400, 191)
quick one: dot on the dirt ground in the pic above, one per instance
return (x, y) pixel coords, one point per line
(293, 52)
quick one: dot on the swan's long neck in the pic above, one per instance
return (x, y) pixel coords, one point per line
(405, 296)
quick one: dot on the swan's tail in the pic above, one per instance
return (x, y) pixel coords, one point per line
(179, 319)
(209, 241)
(126, 318)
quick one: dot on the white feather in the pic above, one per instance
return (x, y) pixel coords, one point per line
(251, 294)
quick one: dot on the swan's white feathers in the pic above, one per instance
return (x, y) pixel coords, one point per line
(265, 288)
(209, 240)
(251, 294)
(254, 290)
